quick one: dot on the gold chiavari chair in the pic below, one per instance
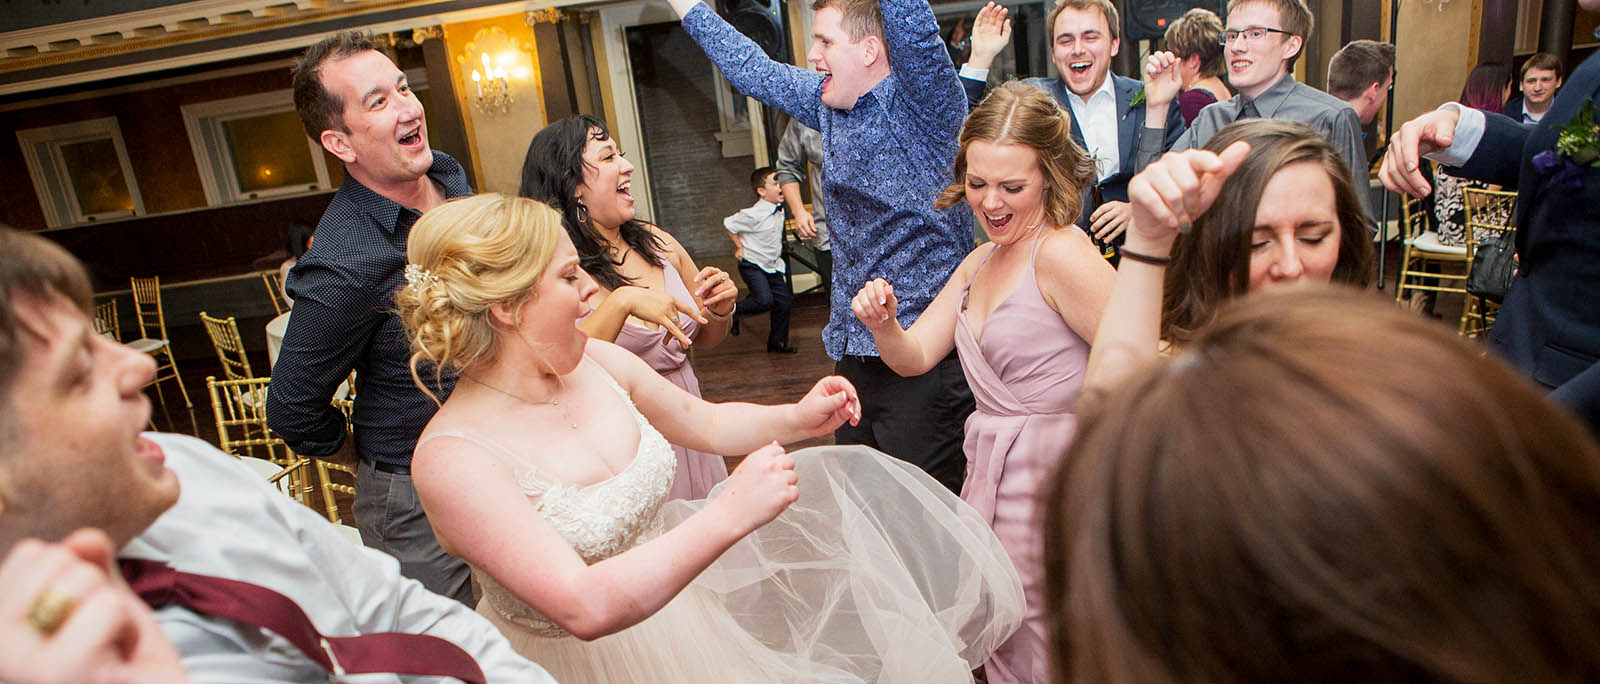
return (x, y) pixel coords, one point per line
(147, 307)
(1488, 211)
(331, 489)
(242, 431)
(274, 285)
(1426, 264)
(229, 346)
(105, 320)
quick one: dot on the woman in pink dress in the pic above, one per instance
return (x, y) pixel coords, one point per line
(1019, 311)
(652, 301)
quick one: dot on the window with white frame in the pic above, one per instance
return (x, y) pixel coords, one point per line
(81, 172)
(253, 147)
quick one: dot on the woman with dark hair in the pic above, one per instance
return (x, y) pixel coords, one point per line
(1323, 488)
(1486, 89)
(1265, 203)
(652, 299)
(1019, 311)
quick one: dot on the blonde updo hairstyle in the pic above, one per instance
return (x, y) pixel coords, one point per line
(469, 254)
(1019, 114)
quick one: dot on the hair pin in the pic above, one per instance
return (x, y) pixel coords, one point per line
(418, 276)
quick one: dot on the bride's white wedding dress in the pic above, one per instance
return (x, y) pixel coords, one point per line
(877, 574)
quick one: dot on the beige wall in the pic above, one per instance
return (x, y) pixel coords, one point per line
(499, 139)
(1434, 52)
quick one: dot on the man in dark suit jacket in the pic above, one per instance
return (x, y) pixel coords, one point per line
(1084, 37)
(1513, 109)
(1549, 325)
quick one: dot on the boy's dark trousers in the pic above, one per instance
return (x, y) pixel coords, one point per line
(768, 292)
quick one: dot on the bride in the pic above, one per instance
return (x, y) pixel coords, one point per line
(545, 471)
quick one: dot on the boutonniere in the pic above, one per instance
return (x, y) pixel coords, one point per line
(1138, 99)
(1577, 146)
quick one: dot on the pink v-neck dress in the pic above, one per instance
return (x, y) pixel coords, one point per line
(1025, 368)
(697, 472)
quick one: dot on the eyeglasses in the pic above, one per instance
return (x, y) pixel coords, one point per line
(1252, 34)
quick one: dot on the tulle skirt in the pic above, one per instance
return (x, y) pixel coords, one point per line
(877, 574)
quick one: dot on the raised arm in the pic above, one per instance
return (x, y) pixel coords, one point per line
(790, 88)
(1163, 123)
(480, 514)
(729, 428)
(1165, 196)
(922, 65)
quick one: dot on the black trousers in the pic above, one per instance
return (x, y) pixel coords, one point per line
(920, 419)
(768, 292)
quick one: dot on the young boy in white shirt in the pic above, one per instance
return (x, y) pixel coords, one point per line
(757, 234)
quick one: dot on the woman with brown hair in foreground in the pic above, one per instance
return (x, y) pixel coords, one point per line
(1323, 488)
(1264, 204)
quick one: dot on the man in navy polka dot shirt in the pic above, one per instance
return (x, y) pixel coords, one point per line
(356, 102)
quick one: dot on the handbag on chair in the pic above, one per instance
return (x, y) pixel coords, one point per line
(1493, 266)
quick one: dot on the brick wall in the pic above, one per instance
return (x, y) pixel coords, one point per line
(694, 186)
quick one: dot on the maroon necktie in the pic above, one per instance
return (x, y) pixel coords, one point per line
(385, 652)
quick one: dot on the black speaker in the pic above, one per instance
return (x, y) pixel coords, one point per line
(760, 21)
(1149, 19)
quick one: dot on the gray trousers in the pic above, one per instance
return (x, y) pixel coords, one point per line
(390, 518)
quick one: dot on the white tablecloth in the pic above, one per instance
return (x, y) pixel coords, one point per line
(275, 330)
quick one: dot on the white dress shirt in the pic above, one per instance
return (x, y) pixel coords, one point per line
(230, 523)
(760, 231)
(1097, 118)
(1468, 133)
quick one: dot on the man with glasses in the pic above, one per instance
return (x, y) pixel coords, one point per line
(1261, 43)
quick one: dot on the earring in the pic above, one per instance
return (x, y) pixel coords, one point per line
(583, 213)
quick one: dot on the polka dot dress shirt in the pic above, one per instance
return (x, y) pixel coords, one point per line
(344, 318)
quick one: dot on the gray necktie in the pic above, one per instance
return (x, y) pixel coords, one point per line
(1248, 111)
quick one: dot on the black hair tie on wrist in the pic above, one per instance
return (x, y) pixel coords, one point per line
(1145, 258)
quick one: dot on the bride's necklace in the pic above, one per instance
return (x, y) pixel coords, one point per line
(621, 259)
(552, 401)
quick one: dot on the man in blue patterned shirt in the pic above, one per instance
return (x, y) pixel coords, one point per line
(889, 108)
(356, 102)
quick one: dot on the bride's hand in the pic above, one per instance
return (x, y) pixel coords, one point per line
(760, 488)
(830, 403)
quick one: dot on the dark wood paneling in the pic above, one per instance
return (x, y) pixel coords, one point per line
(153, 130)
(206, 243)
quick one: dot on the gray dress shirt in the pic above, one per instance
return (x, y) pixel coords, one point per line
(799, 159)
(1286, 100)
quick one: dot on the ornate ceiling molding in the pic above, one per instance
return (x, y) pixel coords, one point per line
(203, 31)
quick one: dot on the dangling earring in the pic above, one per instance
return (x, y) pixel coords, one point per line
(583, 214)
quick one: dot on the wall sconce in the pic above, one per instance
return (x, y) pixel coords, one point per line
(495, 60)
(497, 96)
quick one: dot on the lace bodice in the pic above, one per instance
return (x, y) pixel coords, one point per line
(600, 520)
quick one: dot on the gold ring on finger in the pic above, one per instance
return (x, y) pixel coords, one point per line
(50, 610)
